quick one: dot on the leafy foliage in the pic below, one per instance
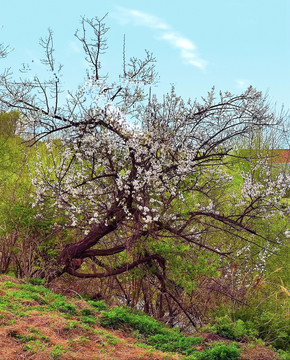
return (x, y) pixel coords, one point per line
(218, 352)
(122, 316)
(99, 305)
(234, 330)
(163, 338)
(174, 342)
(8, 123)
(272, 327)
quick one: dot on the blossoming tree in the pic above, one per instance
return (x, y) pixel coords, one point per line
(136, 174)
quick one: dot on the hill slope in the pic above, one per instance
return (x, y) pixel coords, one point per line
(36, 323)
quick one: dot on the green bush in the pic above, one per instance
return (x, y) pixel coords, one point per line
(36, 281)
(284, 355)
(111, 339)
(222, 352)
(234, 330)
(86, 311)
(64, 307)
(175, 342)
(99, 305)
(89, 319)
(120, 317)
(273, 327)
(218, 352)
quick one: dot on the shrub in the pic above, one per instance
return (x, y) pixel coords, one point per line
(119, 317)
(274, 329)
(99, 305)
(218, 352)
(175, 342)
(284, 355)
(86, 311)
(36, 281)
(64, 307)
(234, 330)
(111, 339)
(271, 326)
(89, 319)
(222, 352)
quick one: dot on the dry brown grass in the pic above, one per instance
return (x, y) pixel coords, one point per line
(79, 343)
(258, 352)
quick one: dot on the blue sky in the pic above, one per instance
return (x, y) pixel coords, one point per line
(229, 44)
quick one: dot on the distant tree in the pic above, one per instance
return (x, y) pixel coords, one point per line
(139, 175)
(8, 123)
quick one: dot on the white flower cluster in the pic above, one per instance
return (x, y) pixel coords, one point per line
(151, 169)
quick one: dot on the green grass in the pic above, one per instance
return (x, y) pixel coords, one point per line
(160, 337)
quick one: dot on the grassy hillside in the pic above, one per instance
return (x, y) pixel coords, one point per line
(36, 323)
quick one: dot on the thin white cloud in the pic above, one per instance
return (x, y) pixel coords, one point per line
(178, 41)
(126, 16)
(187, 48)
